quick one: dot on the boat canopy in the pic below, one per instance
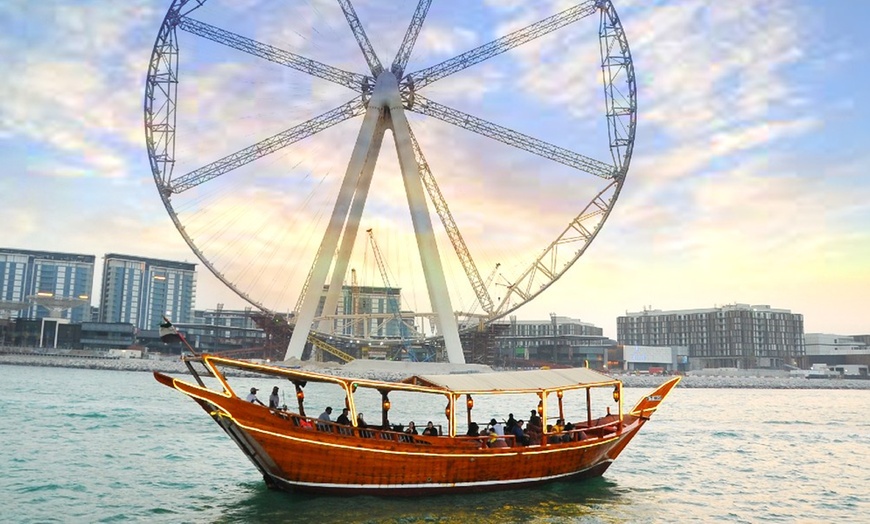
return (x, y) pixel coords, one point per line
(514, 381)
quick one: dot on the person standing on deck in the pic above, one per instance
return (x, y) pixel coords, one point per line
(534, 419)
(274, 399)
(325, 416)
(511, 422)
(343, 418)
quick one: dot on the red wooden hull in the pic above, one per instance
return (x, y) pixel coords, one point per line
(345, 460)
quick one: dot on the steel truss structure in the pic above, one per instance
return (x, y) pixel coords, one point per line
(382, 96)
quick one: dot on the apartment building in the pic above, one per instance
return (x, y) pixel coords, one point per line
(736, 335)
(141, 290)
(46, 284)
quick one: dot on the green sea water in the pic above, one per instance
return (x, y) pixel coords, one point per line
(111, 446)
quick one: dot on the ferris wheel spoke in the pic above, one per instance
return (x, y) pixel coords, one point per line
(357, 82)
(361, 38)
(247, 155)
(411, 35)
(510, 137)
(459, 246)
(517, 38)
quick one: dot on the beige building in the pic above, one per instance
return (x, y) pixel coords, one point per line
(735, 336)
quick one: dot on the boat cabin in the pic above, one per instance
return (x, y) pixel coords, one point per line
(556, 406)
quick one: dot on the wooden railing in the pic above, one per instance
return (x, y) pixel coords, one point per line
(600, 430)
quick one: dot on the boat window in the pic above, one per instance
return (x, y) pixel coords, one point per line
(405, 406)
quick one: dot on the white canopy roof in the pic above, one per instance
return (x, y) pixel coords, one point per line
(515, 381)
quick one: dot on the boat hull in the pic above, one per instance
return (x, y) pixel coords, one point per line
(339, 460)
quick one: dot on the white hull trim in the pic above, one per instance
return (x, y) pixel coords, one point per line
(438, 485)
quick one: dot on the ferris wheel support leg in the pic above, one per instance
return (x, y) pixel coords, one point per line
(352, 226)
(432, 268)
(305, 316)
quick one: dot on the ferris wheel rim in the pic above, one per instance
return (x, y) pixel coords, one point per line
(162, 167)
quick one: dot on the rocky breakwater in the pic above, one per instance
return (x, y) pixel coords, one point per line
(112, 364)
(395, 371)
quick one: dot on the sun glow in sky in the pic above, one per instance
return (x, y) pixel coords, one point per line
(750, 180)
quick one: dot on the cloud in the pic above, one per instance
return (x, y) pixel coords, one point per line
(444, 41)
(72, 90)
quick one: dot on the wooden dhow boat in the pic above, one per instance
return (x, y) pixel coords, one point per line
(297, 452)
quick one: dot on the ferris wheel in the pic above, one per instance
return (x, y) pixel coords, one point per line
(276, 223)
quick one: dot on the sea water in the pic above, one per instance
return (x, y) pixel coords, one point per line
(113, 446)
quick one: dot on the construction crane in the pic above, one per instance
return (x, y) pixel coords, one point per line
(392, 302)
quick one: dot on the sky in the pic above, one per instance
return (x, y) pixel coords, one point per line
(749, 181)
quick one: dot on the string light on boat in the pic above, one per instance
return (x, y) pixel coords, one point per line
(385, 401)
(541, 407)
(447, 411)
(616, 393)
(469, 402)
(300, 396)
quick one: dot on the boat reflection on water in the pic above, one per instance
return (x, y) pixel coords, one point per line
(599, 500)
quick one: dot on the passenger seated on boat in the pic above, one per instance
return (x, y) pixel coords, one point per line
(343, 418)
(431, 430)
(325, 415)
(495, 441)
(473, 430)
(498, 428)
(520, 437)
(412, 429)
(361, 424)
(534, 419)
(558, 432)
(534, 433)
(569, 433)
(252, 397)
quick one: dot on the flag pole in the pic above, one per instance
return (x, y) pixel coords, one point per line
(168, 325)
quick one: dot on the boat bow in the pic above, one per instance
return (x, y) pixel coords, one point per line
(647, 405)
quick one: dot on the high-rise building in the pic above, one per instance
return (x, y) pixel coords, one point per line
(142, 291)
(46, 284)
(737, 335)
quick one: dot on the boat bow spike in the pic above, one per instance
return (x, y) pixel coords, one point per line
(647, 405)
